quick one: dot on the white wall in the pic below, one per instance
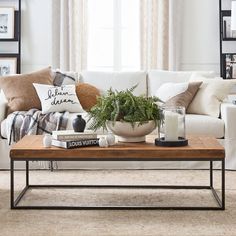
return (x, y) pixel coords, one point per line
(200, 43)
(36, 34)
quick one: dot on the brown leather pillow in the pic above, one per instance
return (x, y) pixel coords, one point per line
(87, 95)
(20, 92)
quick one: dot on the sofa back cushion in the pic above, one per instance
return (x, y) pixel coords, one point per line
(156, 78)
(116, 80)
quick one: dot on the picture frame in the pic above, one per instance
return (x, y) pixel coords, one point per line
(7, 22)
(8, 66)
(229, 62)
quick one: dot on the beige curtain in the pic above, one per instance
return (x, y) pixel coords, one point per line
(69, 34)
(160, 24)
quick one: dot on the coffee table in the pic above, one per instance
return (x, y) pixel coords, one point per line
(205, 149)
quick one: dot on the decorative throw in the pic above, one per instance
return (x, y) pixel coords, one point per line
(63, 78)
(32, 122)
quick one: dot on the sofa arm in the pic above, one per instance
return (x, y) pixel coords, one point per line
(3, 106)
(228, 114)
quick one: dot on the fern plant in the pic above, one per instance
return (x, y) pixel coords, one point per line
(124, 106)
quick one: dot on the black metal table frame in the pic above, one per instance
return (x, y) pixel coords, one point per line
(220, 200)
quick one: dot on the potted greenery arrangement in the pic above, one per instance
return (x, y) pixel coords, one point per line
(126, 115)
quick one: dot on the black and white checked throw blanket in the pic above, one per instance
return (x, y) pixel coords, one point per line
(21, 123)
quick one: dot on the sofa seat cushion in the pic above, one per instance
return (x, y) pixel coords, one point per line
(116, 80)
(195, 124)
(204, 125)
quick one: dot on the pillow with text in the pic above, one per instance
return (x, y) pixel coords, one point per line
(58, 99)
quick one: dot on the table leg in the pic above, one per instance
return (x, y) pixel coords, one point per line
(27, 173)
(12, 184)
(211, 174)
(51, 166)
(223, 183)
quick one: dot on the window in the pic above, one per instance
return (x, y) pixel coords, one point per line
(113, 35)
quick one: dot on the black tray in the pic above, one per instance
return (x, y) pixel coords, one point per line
(161, 142)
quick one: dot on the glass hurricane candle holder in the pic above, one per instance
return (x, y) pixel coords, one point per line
(171, 131)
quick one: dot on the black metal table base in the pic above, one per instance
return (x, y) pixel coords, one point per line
(220, 200)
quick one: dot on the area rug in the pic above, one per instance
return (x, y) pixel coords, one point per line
(121, 222)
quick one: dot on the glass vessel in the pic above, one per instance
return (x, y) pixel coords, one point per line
(171, 131)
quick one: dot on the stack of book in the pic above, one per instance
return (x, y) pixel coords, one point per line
(70, 139)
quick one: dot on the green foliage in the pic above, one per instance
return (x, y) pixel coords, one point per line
(124, 106)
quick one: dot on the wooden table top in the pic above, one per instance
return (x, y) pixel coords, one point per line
(31, 147)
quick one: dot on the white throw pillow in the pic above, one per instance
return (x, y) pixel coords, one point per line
(169, 90)
(178, 94)
(58, 99)
(210, 95)
(156, 78)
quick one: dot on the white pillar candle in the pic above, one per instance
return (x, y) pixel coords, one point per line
(171, 126)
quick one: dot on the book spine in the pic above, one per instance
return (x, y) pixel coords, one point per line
(82, 143)
(75, 137)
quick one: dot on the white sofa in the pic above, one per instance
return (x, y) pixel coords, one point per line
(224, 128)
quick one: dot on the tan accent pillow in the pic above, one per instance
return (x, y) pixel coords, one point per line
(20, 92)
(87, 95)
(184, 98)
(210, 95)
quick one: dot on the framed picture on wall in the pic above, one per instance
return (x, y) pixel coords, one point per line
(8, 65)
(6, 22)
(227, 32)
(229, 62)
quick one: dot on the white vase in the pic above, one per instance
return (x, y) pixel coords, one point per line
(47, 140)
(128, 133)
